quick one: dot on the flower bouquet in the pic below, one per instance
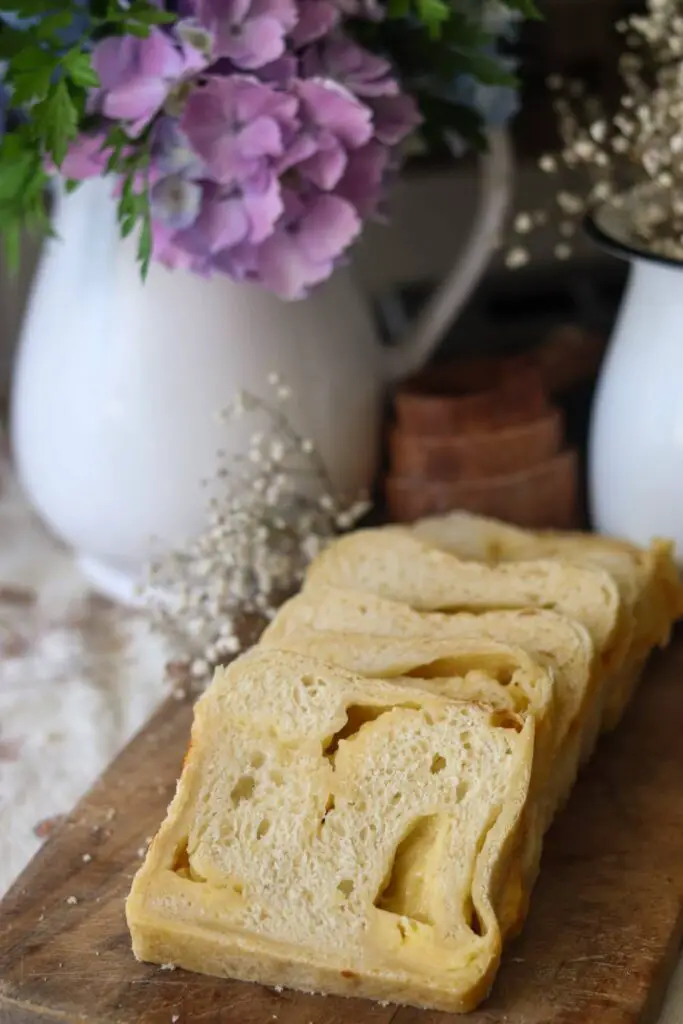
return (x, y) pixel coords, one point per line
(251, 138)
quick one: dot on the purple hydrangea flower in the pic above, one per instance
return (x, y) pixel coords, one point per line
(137, 74)
(316, 19)
(342, 60)
(395, 117)
(172, 151)
(307, 244)
(250, 33)
(166, 252)
(363, 180)
(237, 123)
(333, 121)
(273, 135)
(176, 201)
(231, 216)
(87, 157)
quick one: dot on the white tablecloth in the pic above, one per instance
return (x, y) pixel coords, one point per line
(78, 677)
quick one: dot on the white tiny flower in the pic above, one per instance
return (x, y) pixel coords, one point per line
(516, 257)
(307, 446)
(199, 668)
(277, 451)
(523, 223)
(344, 520)
(228, 645)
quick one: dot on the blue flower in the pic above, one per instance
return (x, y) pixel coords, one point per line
(495, 104)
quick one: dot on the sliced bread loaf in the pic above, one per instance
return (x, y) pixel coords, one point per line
(338, 834)
(394, 563)
(559, 644)
(647, 579)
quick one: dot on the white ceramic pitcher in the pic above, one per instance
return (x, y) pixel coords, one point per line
(636, 441)
(118, 383)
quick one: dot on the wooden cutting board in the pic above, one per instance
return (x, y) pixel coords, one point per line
(599, 946)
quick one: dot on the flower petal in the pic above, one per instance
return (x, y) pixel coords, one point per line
(331, 106)
(138, 99)
(286, 270)
(264, 208)
(325, 167)
(316, 19)
(176, 201)
(86, 157)
(158, 55)
(261, 41)
(395, 117)
(330, 226)
(114, 59)
(260, 138)
(362, 181)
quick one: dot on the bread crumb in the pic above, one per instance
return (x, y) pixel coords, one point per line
(168, 967)
(110, 814)
(278, 988)
(72, 900)
(142, 850)
(175, 1017)
(86, 858)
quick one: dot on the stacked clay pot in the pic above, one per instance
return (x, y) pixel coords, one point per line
(481, 435)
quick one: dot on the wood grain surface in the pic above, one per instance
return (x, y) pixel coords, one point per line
(599, 946)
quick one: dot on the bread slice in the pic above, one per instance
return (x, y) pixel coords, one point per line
(338, 834)
(396, 564)
(647, 579)
(557, 644)
(475, 669)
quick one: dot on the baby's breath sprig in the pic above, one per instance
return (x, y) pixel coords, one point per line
(631, 156)
(271, 510)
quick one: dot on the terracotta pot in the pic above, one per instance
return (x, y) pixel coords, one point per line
(543, 496)
(473, 456)
(476, 395)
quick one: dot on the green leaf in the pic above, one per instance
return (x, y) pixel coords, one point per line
(145, 244)
(433, 13)
(12, 42)
(79, 69)
(57, 118)
(19, 164)
(49, 25)
(27, 87)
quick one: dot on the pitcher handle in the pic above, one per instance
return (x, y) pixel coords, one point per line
(442, 308)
